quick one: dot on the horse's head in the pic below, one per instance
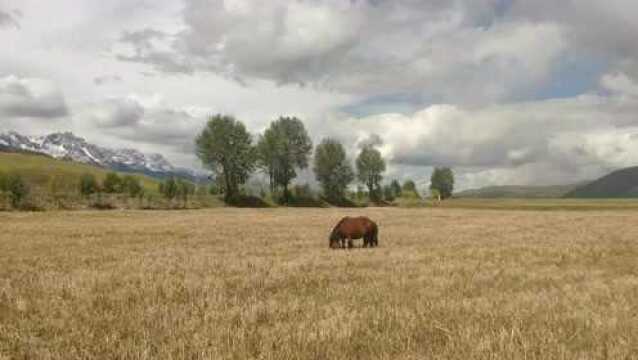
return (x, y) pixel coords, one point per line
(334, 238)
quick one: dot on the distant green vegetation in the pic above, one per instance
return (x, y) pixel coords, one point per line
(37, 182)
(40, 170)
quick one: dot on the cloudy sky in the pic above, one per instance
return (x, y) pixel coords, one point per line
(503, 91)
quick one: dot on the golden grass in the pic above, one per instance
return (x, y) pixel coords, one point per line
(244, 284)
(538, 204)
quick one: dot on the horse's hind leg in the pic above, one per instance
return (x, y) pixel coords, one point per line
(350, 245)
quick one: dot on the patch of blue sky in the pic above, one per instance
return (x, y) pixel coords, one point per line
(392, 103)
(573, 76)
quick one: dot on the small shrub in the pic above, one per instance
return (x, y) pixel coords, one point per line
(3, 182)
(185, 189)
(168, 188)
(17, 189)
(213, 189)
(100, 203)
(132, 186)
(88, 185)
(247, 201)
(388, 193)
(112, 184)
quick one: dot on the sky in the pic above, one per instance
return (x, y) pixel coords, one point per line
(512, 92)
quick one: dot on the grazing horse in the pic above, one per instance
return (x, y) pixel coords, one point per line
(350, 228)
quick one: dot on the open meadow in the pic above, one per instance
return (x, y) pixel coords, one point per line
(262, 283)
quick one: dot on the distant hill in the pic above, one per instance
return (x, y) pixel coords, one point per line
(38, 170)
(70, 147)
(520, 192)
(619, 184)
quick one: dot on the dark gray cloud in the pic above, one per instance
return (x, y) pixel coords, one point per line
(28, 97)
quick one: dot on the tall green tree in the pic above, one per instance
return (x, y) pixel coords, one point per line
(225, 146)
(332, 170)
(442, 180)
(370, 167)
(283, 148)
(266, 155)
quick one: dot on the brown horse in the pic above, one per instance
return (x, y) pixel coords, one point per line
(350, 228)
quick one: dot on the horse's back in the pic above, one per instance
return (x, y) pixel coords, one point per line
(357, 227)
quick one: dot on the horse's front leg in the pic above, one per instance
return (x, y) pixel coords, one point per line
(350, 245)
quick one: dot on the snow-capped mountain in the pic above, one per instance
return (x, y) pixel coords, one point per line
(68, 146)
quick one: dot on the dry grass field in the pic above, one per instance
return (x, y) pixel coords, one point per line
(262, 284)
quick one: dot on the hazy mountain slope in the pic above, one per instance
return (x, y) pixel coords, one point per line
(513, 191)
(618, 184)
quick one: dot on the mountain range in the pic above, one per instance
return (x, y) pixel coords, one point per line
(66, 145)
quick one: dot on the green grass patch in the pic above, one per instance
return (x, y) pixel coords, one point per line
(40, 171)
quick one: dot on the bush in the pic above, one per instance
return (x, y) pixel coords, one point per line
(112, 184)
(185, 189)
(247, 201)
(304, 191)
(88, 184)
(168, 188)
(102, 203)
(388, 193)
(3, 182)
(17, 189)
(213, 189)
(132, 186)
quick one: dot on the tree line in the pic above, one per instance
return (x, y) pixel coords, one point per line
(226, 147)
